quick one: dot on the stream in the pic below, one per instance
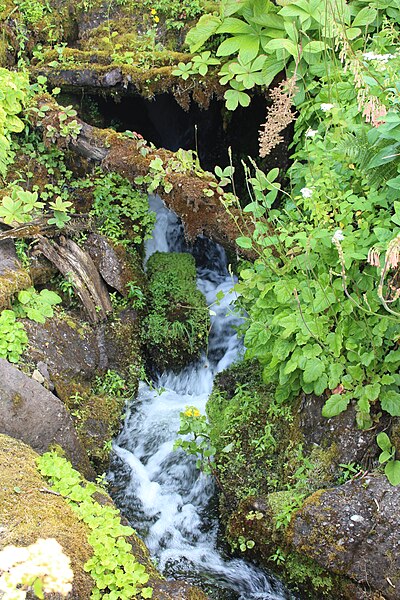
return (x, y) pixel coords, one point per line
(166, 499)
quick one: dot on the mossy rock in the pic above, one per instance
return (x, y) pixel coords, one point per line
(176, 328)
(13, 278)
(29, 512)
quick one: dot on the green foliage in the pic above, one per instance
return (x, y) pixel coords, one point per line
(392, 466)
(123, 212)
(111, 383)
(13, 95)
(13, 338)
(20, 206)
(196, 442)
(136, 295)
(114, 569)
(36, 306)
(175, 13)
(32, 11)
(177, 325)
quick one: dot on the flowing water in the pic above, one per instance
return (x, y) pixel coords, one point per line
(166, 499)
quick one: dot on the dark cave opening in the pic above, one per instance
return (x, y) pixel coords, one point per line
(211, 132)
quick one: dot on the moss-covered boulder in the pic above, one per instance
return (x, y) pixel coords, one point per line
(13, 278)
(177, 325)
(29, 512)
(31, 413)
(354, 530)
(92, 371)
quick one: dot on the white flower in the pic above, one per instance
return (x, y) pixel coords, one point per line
(306, 192)
(337, 236)
(311, 133)
(380, 57)
(325, 107)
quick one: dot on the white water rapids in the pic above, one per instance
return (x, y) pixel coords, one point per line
(164, 496)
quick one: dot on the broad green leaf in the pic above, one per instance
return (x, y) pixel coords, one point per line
(383, 441)
(392, 472)
(314, 369)
(234, 26)
(384, 456)
(336, 404)
(315, 46)
(244, 242)
(366, 16)
(204, 29)
(390, 401)
(229, 46)
(234, 98)
(278, 44)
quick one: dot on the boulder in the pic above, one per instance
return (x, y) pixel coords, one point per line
(32, 414)
(341, 432)
(13, 278)
(112, 262)
(28, 512)
(354, 530)
(67, 348)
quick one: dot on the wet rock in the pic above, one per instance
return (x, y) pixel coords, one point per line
(41, 270)
(112, 262)
(30, 413)
(112, 78)
(66, 349)
(341, 432)
(13, 278)
(354, 530)
(27, 513)
(122, 345)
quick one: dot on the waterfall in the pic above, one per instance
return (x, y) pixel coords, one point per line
(168, 501)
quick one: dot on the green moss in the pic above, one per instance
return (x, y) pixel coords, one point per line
(11, 282)
(304, 573)
(28, 512)
(176, 328)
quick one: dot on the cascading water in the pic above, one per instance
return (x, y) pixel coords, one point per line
(161, 492)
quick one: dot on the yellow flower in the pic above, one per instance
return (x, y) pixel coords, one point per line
(153, 11)
(192, 412)
(156, 19)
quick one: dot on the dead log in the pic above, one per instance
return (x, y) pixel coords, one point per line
(76, 264)
(192, 197)
(40, 226)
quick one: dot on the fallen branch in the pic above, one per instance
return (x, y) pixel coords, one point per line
(76, 264)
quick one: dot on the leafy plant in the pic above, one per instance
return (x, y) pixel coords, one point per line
(116, 572)
(196, 441)
(19, 206)
(13, 95)
(36, 306)
(13, 338)
(111, 383)
(177, 325)
(387, 457)
(120, 208)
